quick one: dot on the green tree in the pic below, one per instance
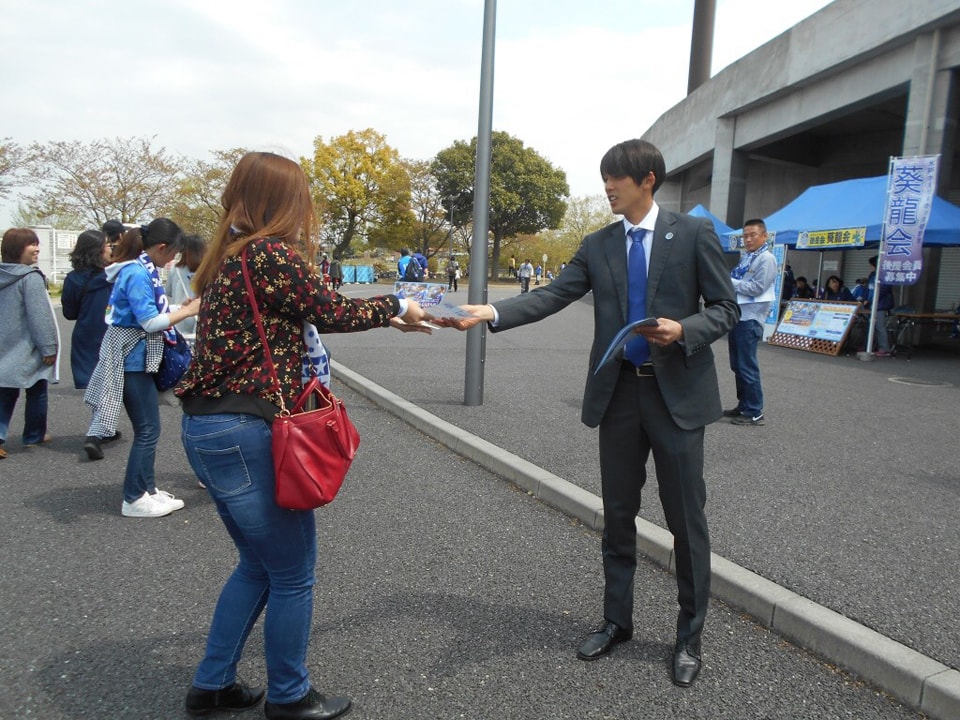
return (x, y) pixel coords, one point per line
(584, 215)
(432, 231)
(196, 207)
(12, 161)
(24, 217)
(361, 191)
(527, 194)
(125, 178)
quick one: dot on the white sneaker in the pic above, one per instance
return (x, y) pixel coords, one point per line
(145, 506)
(168, 499)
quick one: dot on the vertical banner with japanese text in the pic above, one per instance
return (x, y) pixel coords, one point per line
(911, 186)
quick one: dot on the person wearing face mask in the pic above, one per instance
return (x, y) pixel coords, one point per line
(137, 316)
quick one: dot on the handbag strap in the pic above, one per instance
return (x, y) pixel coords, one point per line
(263, 335)
(314, 387)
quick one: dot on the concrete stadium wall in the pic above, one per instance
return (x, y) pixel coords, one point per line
(832, 98)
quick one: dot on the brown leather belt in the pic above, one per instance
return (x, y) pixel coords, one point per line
(645, 370)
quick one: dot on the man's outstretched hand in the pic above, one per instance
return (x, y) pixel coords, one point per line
(481, 313)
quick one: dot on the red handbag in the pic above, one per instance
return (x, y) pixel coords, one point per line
(312, 448)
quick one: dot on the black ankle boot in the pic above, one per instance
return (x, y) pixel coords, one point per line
(91, 446)
(312, 707)
(236, 697)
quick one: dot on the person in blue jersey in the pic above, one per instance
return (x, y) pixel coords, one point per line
(137, 316)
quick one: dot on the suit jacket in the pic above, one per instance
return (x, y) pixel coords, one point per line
(686, 264)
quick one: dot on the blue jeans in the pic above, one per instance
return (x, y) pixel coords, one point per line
(35, 414)
(743, 341)
(142, 406)
(231, 455)
(880, 332)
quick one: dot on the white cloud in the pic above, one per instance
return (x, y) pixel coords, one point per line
(571, 78)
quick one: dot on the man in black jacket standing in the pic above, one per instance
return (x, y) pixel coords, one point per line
(659, 396)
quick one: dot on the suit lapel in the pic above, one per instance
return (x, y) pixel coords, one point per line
(662, 242)
(615, 251)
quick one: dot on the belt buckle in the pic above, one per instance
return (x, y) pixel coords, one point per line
(645, 370)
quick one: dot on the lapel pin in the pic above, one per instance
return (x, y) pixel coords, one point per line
(669, 236)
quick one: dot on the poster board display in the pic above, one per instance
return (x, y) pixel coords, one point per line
(773, 314)
(815, 326)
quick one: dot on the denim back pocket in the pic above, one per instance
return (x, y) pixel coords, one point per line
(224, 471)
(215, 446)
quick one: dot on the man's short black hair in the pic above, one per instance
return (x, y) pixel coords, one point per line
(635, 159)
(873, 261)
(758, 222)
(113, 229)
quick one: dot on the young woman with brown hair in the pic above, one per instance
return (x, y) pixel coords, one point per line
(230, 399)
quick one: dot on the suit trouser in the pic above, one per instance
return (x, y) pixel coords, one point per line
(636, 423)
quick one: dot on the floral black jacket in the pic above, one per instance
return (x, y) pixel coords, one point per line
(229, 357)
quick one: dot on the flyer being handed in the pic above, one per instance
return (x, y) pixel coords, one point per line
(430, 296)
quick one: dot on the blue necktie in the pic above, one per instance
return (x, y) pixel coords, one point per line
(637, 350)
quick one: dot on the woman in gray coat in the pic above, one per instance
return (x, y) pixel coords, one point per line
(28, 336)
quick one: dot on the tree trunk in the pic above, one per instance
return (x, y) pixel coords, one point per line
(495, 259)
(343, 246)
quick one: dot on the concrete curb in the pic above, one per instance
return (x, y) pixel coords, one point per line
(915, 679)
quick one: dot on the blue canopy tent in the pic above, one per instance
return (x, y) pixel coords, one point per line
(855, 203)
(722, 229)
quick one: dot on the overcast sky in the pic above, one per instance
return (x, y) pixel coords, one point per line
(572, 77)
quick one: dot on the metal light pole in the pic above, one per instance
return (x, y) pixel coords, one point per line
(477, 293)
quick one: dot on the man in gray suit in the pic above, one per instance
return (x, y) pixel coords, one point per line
(659, 396)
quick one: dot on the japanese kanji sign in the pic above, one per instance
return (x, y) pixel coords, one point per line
(911, 186)
(824, 239)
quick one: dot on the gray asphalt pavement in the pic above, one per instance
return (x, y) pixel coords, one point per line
(445, 592)
(848, 496)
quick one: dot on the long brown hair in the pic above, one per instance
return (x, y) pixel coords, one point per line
(192, 252)
(267, 196)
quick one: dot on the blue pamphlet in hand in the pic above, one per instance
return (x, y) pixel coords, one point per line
(622, 338)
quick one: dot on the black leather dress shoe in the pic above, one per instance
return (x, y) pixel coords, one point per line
(237, 697)
(313, 706)
(599, 642)
(686, 663)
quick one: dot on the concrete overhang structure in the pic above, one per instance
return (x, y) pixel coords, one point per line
(832, 98)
